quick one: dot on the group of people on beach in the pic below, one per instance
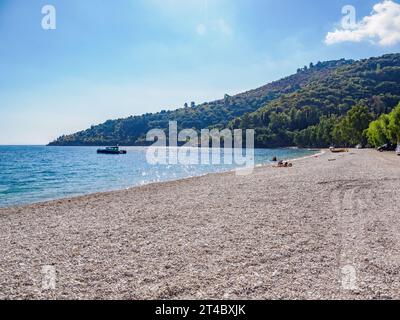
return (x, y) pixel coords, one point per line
(282, 164)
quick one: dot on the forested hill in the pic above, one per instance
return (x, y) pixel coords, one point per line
(132, 130)
(323, 112)
(316, 107)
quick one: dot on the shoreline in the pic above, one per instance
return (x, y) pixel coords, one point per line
(322, 151)
(280, 233)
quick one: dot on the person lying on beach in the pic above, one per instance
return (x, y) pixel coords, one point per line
(282, 164)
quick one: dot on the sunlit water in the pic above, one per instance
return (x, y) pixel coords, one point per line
(30, 174)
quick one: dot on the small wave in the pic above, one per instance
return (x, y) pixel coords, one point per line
(4, 188)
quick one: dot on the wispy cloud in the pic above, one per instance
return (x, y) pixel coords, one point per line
(382, 27)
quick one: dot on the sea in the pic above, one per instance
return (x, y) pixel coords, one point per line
(31, 174)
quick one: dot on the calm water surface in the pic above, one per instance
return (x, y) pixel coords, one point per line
(30, 174)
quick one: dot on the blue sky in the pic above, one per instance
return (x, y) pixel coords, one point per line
(108, 60)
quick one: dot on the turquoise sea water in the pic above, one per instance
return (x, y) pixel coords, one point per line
(30, 174)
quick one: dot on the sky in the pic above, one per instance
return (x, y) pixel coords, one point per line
(96, 60)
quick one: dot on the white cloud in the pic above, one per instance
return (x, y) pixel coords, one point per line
(382, 27)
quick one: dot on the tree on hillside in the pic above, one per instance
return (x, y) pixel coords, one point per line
(386, 129)
(350, 130)
(394, 125)
(318, 136)
(377, 132)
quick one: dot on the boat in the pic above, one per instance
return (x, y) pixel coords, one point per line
(336, 150)
(398, 150)
(111, 150)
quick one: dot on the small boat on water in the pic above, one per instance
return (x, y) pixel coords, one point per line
(398, 150)
(111, 150)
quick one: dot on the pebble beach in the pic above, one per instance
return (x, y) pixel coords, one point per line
(326, 228)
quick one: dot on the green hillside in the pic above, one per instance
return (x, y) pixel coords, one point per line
(132, 130)
(315, 115)
(315, 107)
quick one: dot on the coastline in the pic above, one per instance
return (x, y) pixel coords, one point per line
(46, 201)
(279, 233)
